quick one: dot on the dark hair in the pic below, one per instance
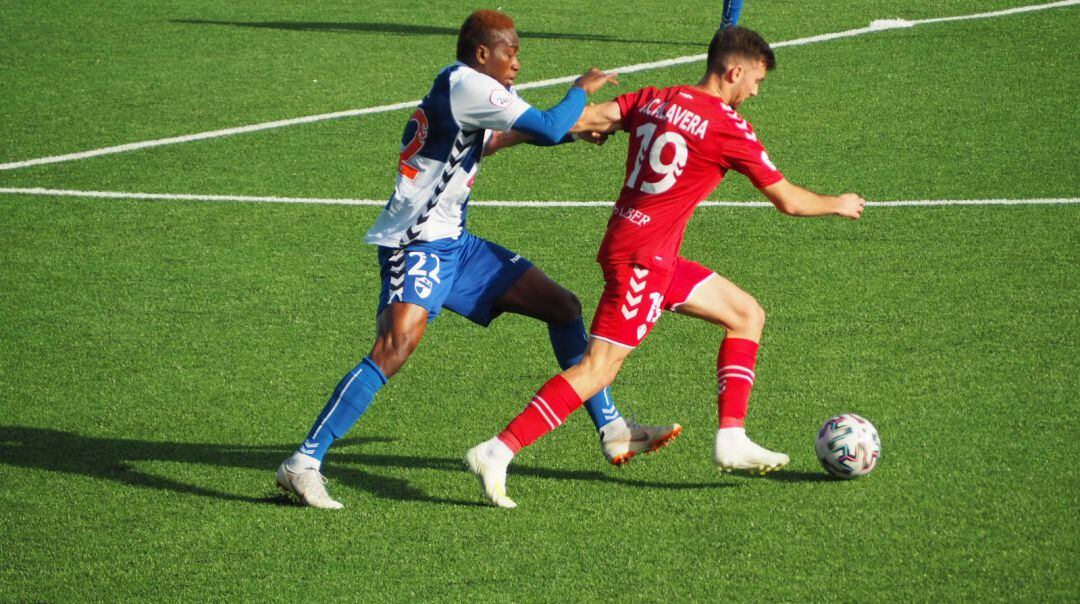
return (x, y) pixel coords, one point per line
(480, 28)
(730, 42)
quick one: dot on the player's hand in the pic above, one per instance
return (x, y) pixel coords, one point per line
(850, 205)
(594, 80)
(594, 137)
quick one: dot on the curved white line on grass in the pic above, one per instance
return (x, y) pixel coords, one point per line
(876, 26)
(498, 204)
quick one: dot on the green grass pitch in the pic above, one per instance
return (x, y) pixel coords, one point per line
(158, 359)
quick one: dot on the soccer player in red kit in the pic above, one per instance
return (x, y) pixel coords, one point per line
(683, 140)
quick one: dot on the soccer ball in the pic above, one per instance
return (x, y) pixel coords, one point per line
(848, 446)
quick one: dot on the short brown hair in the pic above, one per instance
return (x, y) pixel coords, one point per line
(730, 42)
(480, 29)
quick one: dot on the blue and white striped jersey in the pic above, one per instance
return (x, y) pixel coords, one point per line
(441, 150)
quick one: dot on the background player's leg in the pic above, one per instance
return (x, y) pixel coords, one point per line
(732, 10)
(721, 302)
(400, 328)
(537, 295)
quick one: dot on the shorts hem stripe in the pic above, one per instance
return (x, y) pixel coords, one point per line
(675, 307)
(610, 341)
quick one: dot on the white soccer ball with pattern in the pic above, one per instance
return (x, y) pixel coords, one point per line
(848, 446)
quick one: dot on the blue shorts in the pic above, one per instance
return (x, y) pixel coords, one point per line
(467, 276)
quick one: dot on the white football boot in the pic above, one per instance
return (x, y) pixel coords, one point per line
(307, 485)
(488, 461)
(734, 451)
(622, 439)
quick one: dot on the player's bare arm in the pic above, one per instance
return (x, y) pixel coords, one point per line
(599, 118)
(794, 200)
(590, 82)
(503, 140)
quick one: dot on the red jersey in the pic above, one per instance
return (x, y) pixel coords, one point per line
(682, 143)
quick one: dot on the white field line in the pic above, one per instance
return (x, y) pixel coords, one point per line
(502, 204)
(876, 26)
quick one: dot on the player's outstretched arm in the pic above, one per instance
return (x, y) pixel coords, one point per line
(794, 200)
(552, 127)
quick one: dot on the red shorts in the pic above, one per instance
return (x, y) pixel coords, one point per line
(635, 297)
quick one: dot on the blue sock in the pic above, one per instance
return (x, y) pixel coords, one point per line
(732, 9)
(349, 401)
(569, 341)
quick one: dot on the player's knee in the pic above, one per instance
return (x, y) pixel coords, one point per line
(754, 317)
(392, 349)
(749, 317)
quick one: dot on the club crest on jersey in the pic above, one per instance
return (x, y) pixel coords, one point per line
(501, 98)
(423, 287)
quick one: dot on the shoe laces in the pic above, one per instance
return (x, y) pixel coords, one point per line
(633, 425)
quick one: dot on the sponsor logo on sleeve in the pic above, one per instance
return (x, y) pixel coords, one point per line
(501, 98)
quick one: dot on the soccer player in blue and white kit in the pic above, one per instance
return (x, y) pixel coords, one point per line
(429, 261)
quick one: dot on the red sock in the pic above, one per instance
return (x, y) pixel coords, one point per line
(735, 378)
(549, 408)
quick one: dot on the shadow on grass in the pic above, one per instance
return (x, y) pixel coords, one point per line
(407, 29)
(114, 459)
(789, 476)
(456, 465)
